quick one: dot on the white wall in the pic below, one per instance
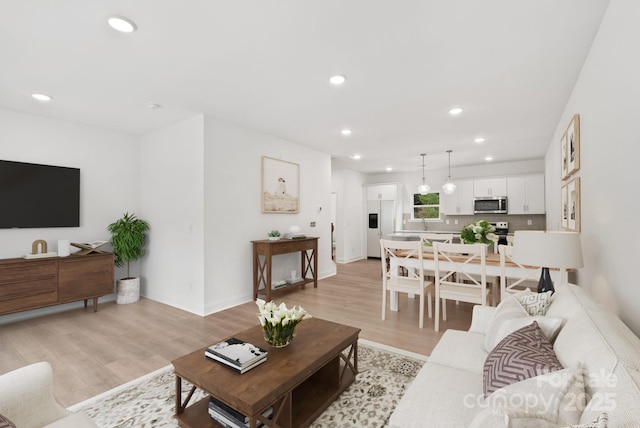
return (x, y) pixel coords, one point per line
(108, 162)
(172, 201)
(233, 157)
(606, 97)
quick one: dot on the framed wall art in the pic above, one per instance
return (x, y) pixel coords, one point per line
(564, 159)
(573, 202)
(280, 186)
(564, 208)
(573, 145)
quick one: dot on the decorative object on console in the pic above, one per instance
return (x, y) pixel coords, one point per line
(64, 248)
(89, 247)
(280, 186)
(274, 235)
(423, 188)
(449, 187)
(479, 232)
(128, 236)
(39, 249)
(279, 323)
(547, 249)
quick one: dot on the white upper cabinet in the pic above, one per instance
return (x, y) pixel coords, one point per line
(496, 186)
(385, 192)
(459, 202)
(526, 194)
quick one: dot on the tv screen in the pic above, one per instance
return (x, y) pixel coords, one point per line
(33, 195)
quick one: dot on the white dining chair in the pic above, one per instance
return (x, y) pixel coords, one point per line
(427, 240)
(466, 262)
(414, 283)
(515, 277)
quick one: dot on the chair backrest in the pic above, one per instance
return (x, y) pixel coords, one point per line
(401, 251)
(467, 261)
(429, 238)
(513, 275)
(509, 239)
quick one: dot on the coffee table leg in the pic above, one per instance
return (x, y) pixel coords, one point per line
(179, 408)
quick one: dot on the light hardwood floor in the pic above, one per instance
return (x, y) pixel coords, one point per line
(94, 352)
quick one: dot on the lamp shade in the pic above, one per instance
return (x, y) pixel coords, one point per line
(553, 249)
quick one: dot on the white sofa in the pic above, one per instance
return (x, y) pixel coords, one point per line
(26, 399)
(448, 390)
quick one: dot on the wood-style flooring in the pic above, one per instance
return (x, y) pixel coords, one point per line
(94, 352)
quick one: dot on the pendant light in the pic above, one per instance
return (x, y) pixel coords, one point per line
(449, 187)
(424, 188)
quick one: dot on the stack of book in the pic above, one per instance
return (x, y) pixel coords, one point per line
(278, 284)
(236, 354)
(231, 418)
(296, 235)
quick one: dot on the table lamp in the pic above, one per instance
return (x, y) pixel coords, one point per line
(548, 249)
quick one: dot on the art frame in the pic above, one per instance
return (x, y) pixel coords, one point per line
(573, 202)
(564, 159)
(280, 186)
(573, 145)
(564, 208)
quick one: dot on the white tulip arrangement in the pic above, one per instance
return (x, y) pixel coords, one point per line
(278, 322)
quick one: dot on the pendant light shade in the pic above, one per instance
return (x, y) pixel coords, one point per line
(449, 187)
(424, 188)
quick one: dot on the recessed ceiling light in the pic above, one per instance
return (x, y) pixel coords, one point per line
(479, 140)
(389, 169)
(153, 106)
(488, 158)
(355, 157)
(41, 97)
(455, 111)
(337, 79)
(346, 132)
(122, 24)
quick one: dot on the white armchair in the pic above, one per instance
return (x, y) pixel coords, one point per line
(26, 399)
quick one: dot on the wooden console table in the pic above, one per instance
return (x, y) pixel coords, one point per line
(35, 283)
(265, 249)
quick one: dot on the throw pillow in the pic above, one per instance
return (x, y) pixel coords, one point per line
(534, 303)
(508, 309)
(523, 354)
(6, 423)
(550, 326)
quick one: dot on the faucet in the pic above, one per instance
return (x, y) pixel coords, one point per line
(424, 223)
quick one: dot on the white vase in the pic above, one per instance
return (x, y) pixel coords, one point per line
(127, 291)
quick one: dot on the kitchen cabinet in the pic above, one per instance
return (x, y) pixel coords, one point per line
(385, 192)
(496, 186)
(459, 202)
(526, 194)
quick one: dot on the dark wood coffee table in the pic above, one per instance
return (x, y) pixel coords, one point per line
(299, 381)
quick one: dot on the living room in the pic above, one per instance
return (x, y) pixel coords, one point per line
(197, 182)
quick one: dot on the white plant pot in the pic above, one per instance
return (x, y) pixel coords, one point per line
(274, 238)
(127, 291)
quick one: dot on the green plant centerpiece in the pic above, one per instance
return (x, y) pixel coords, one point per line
(128, 235)
(279, 323)
(274, 235)
(479, 232)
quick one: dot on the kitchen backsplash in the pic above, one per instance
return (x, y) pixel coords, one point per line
(516, 222)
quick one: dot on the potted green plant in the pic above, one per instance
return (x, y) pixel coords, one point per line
(128, 236)
(274, 235)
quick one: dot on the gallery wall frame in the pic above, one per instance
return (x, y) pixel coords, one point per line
(570, 146)
(573, 204)
(280, 186)
(564, 207)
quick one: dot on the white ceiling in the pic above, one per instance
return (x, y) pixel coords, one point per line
(265, 64)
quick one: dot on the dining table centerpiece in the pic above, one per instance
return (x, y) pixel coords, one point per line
(278, 322)
(479, 232)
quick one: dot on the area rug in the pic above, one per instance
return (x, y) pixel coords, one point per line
(384, 374)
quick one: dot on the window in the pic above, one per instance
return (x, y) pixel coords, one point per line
(426, 207)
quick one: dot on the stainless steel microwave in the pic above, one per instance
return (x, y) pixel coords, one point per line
(490, 205)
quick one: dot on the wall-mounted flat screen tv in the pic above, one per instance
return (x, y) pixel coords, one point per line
(33, 195)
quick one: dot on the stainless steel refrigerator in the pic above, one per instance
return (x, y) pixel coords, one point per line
(381, 221)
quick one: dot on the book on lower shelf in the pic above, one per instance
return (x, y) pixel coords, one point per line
(237, 354)
(229, 417)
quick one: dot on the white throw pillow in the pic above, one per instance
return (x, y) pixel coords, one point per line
(534, 303)
(558, 397)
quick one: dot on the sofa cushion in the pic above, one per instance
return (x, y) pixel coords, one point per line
(460, 349)
(523, 354)
(534, 303)
(439, 396)
(6, 423)
(510, 316)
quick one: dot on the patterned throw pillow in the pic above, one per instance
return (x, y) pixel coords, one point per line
(523, 354)
(534, 303)
(6, 423)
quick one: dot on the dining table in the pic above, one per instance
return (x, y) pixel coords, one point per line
(492, 270)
